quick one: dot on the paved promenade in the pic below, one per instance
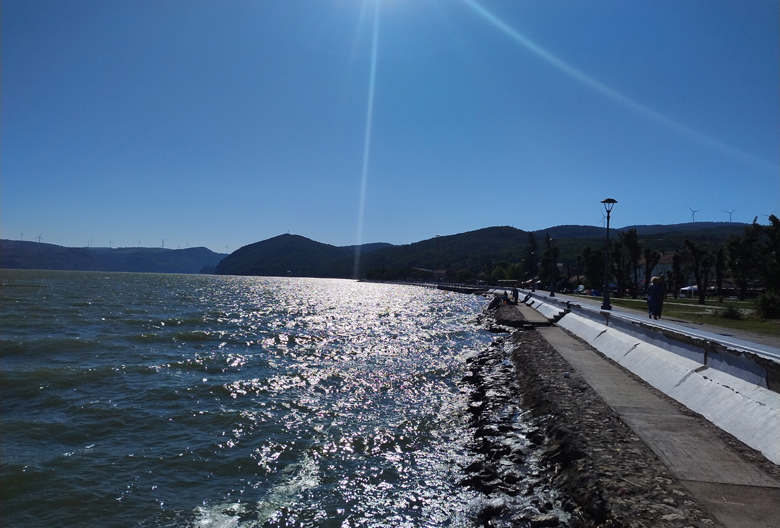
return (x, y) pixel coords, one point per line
(740, 493)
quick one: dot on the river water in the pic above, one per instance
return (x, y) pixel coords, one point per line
(179, 400)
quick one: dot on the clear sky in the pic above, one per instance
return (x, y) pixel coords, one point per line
(220, 124)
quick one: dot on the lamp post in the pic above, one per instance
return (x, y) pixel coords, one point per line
(553, 267)
(525, 273)
(609, 203)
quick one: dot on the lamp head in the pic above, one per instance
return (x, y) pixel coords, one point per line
(609, 203)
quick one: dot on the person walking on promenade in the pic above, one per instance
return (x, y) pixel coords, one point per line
(655, 298)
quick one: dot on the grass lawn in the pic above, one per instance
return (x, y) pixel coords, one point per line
(691, 310)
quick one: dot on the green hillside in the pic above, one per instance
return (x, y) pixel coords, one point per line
(470, 250)
(477, 251)
(473, 252)
(291, 256)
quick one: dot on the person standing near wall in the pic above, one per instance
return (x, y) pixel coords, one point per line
(655, 298)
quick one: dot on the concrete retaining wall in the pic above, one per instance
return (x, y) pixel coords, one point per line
(742, 362)
(742, 408)
(736, 388)
(553, 312)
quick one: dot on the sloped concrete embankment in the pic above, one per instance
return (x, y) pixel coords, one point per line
(730, 387)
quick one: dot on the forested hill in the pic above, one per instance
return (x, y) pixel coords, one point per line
(571, 240)
(297, 256)
(473, 250)
(462, 251)
(292, 256)
(578, 231)
(35, 255)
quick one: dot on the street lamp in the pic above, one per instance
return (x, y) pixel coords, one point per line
(609, 203)
(525, 272)
(553, 266)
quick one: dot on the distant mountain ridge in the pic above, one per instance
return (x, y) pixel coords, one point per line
(291, 256)
(35, 255)
(578, 231)
(297, 256)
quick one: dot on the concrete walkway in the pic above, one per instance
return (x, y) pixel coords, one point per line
(532, 316)
(739, 493)
(517, 315)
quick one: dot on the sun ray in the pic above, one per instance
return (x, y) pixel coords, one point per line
(638, 108)
(367, 141)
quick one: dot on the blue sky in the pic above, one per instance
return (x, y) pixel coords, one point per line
(220, 124)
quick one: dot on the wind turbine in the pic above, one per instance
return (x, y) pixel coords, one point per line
(21, 236)
(730, 212)
(227, 249)
(693, 213)
(163, 242)
(39, 238)
(603, 219)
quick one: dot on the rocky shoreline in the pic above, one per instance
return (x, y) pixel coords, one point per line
(550, 452)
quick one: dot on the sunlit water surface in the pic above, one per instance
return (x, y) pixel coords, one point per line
(179, 400)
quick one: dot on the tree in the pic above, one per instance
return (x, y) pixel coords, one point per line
(593, 261)
(768, 253)
(720, 268)
(630, 240)
(739, 259)
(497, 274)
(531, 254)
(549, 263)
(750, 256)
(678, 273)
(651, 261)
(765, 246)
(544, 264)
(554, 270)
(619, 267)
(669, 284)
(579, 268)
(464, 276)
(702, 263)
(514, 272)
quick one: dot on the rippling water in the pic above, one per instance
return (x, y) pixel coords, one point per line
(180, 400)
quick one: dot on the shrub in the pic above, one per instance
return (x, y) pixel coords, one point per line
(730, 312)
(768, 305)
